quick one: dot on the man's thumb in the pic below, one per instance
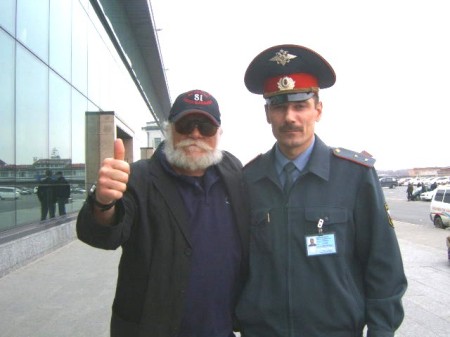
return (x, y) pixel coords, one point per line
(119, 149)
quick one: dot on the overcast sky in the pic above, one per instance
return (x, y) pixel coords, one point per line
(391, 59)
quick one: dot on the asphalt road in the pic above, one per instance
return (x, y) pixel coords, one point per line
(415, 212)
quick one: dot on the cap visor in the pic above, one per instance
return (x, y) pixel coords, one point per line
(284, 98)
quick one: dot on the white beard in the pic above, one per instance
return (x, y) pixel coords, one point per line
(177, 157)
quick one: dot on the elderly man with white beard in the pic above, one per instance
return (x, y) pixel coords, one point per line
(182, 223)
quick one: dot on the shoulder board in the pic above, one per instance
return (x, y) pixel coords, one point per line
(363, 158)
(253, 160)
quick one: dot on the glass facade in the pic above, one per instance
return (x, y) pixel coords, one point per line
(56, 63)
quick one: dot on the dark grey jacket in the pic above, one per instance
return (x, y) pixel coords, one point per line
(290, 294)
(152, 230)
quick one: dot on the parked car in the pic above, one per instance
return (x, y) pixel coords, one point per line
(416, 181)
(77, 190)
(24, 190)
(390, 182)
(440, 207)
(416, 193)
(7, 192)
(404, 181)
(442, 180)
(428, 195)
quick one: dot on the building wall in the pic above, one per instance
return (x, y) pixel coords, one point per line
(56, 63)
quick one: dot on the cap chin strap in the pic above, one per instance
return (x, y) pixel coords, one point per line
(284, 98)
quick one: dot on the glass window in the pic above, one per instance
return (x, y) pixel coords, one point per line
(77, 180)
(79, 48)
(7, 160)
(32, 107)
(32, 25)
(31, 127)
(439, 195)
(59, 117)
(60, 37)
(8, 15)
(7, 98)
(85, 4)
(94, 66)
(447, 197)
(79, 108)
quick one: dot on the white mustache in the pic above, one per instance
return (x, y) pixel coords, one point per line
(198, 143)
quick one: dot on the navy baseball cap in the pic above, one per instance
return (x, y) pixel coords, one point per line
(288, 73)
(198, 102)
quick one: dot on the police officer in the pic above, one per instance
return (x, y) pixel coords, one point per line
(302, 191)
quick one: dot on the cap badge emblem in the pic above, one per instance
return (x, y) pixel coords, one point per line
(282, 57)
(286, 83)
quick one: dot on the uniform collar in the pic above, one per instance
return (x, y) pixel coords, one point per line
(318, 163)
(299, 162)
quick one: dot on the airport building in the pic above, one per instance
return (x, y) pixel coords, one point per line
(75, 74)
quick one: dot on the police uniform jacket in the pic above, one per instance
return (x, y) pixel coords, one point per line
(152, 230)
(334, 295)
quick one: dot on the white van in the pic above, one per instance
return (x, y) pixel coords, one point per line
(440, 207)
(7, 192)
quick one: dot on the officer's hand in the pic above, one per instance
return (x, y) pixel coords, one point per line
(113, 176)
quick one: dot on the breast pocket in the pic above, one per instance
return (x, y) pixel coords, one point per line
(335, 220)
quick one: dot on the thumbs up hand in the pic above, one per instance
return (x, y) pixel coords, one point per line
(113, 176)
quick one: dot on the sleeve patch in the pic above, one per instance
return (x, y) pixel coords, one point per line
(386, 207)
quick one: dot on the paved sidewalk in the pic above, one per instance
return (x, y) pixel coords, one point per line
(427, 300)
(69, 292)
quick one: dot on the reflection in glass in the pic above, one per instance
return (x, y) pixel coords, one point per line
(32, 107)
(44, 96)
(8, 193)
(31, 129)
(79, 108)
(6, 98)
(8, 15)
(60, 37)
(79, 48)
(32, 25)
(94, 67)
(59, 117)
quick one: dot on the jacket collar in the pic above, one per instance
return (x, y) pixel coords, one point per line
(167, 187)
(318, 164)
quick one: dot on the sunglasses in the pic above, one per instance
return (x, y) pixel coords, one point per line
(186, 126)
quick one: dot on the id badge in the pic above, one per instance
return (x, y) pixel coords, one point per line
(321, 244)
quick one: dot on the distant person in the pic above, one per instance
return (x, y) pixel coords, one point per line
(302, 188)
(433, 186)
(46, 193)
(448, 246)
(62, 192)
(182, 224)
(409, 191)
(424, 188)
